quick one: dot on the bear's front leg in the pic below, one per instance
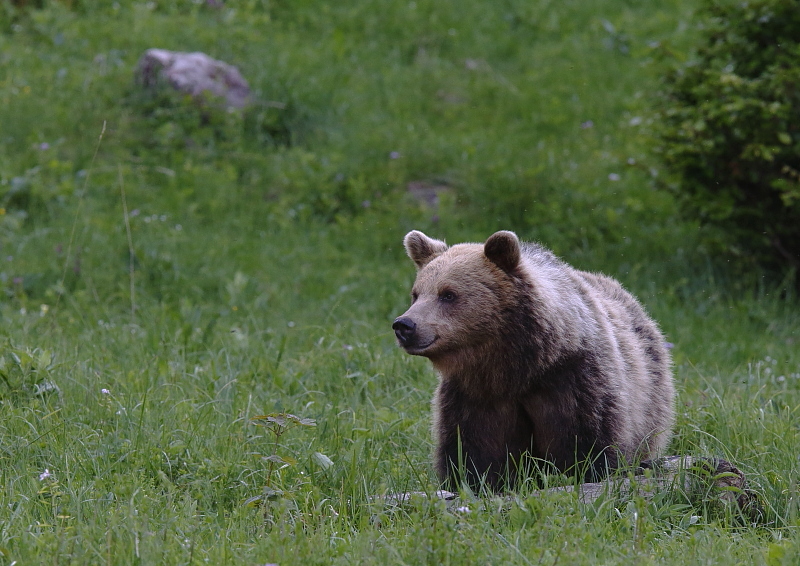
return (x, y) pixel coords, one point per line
(478, 441)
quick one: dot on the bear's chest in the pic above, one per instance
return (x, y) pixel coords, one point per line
(499, 429)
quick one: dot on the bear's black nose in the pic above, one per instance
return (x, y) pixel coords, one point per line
(404, 329)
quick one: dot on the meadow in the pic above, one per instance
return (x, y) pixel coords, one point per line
(169, 273)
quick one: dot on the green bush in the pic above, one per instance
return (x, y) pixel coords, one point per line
(729, 128)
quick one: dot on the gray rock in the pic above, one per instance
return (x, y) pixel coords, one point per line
(194, 74)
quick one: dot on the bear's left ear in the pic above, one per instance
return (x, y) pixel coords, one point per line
(503, 249)
(422, 249)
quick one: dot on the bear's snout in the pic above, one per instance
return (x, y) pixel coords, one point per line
(404, 328)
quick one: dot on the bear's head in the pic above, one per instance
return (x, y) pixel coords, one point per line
(461, 295)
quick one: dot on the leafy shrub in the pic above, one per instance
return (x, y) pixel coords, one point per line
(730, 129)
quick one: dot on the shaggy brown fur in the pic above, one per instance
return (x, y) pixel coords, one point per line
(535, 358)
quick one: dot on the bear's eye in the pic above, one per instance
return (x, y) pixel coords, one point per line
(447, 296)
(414, 297)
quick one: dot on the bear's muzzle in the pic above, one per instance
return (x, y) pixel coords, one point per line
(405, 330)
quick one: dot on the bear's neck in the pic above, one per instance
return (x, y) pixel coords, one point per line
(516, 360)
(495, 370)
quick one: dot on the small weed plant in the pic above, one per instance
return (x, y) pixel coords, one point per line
(278, 424)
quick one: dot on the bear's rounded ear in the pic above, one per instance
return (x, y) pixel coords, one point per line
(422, 249)
(503, 249)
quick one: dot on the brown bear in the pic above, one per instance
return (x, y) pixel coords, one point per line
(537, 362)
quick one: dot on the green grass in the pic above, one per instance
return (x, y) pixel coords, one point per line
(268, 268)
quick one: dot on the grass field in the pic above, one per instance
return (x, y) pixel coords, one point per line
(263, 266)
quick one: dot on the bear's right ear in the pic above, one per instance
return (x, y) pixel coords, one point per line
(422, 249)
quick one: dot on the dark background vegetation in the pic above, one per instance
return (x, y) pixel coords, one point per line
(728, 129)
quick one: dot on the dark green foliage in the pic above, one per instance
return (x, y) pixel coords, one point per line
(731, 129)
